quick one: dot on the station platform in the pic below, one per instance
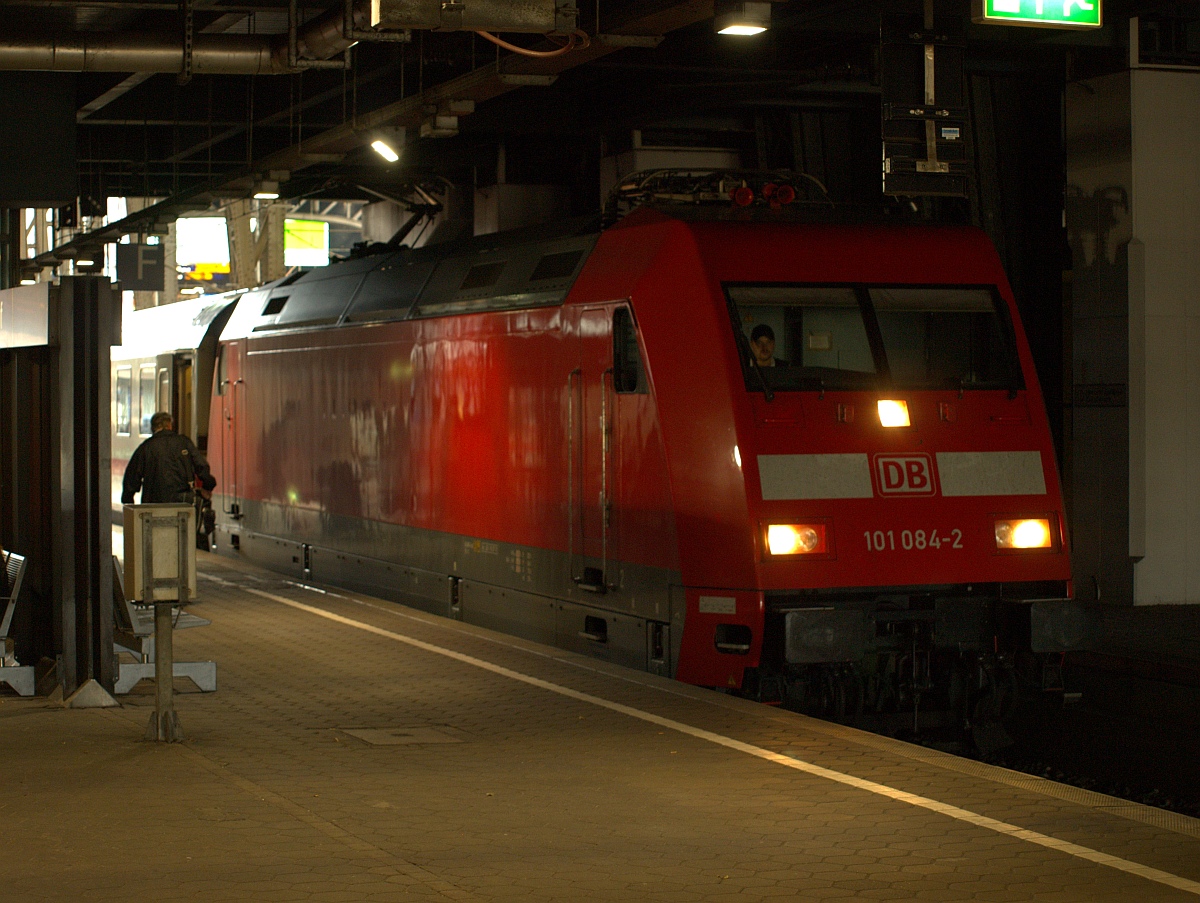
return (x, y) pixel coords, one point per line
(356, 750)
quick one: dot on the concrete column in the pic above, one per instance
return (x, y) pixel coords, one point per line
(1164, 337)
(1133, 210)
(270, 242)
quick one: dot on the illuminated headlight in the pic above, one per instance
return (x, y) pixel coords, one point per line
(893, 412)
(1028, 533)
(795, 539)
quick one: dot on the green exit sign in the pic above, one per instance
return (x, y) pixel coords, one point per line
(1040, 13)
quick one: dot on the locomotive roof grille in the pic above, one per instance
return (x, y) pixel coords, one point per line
(556, 266)
(482, 275)
(428, 282)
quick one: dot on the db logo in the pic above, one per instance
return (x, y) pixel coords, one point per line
(904, 474)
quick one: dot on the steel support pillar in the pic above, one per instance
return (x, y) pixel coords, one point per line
(55, 482)
(85, 322)
(10, 246)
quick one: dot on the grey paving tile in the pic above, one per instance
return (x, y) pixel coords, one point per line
(528, 796)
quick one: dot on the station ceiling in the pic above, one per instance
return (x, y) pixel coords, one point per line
(248, 104)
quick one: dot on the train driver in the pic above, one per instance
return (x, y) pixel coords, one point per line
(762, 345)
(166, 466)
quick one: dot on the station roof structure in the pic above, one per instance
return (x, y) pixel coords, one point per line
(199, 100)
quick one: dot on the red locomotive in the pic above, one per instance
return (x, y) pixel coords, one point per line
(570, 436)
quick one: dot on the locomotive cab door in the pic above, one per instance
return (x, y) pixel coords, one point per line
(592, 451)
(228, 385)
(609, 375)
(175, 390)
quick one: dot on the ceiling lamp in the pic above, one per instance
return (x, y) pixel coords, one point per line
(267, 190)
(385, 150)
(747, 18)
(389, 142)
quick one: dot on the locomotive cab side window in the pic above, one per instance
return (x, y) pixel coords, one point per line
(856, 337)
(629, 376)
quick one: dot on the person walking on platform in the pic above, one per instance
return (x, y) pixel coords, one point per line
(166, 467)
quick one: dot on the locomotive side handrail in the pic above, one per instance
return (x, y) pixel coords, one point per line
(230, 492)
(605, 453)
(577, 372)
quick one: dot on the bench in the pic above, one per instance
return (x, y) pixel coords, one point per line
(133, 635)
(20, 678)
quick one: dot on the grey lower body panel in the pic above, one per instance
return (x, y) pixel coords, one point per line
(637, 621)
(846, 627)
(618, 638)
(816, 635)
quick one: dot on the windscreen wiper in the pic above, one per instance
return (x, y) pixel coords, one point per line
(768, 394)
(762, 380)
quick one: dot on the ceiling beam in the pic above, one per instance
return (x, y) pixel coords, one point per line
(480, 85)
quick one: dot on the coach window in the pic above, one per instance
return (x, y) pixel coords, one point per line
(146, 398)
(222, 377)
(124, 400)
(629, 376)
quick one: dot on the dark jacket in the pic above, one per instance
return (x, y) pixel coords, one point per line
(165, 468)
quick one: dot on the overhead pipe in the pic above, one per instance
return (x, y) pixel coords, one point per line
(322, 40)
(211, 54)
(111, 52)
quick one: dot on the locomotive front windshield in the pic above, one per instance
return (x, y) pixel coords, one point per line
(803, 337)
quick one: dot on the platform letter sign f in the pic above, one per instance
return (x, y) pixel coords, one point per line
(140, 267)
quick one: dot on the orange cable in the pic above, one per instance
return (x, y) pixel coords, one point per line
(571, 44)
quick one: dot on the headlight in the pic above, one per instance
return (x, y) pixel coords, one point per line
(893, 412)
(1024, 533)
(795, 539)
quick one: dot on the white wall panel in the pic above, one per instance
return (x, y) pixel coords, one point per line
(1164, 316)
